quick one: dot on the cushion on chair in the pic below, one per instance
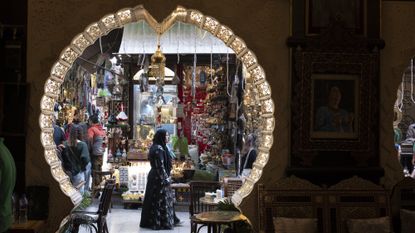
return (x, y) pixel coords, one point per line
(407, 221)
(295, 225)
(369, 225)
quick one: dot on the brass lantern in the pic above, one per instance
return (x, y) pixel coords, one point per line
(158, 63)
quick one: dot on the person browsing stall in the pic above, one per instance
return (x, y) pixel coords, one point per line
(248, 155)
(76, 157)
(96, 137)
(158, 209)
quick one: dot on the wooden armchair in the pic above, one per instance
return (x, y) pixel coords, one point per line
(354, 198)
(402, 197)
(197, 190)
(231, 184)
(99, 216)
(290, 197)
(332, 208)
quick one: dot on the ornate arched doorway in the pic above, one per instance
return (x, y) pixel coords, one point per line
(121, 18)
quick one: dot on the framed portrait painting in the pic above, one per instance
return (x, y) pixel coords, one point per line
(334, 106)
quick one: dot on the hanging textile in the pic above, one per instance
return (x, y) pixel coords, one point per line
(180, 35)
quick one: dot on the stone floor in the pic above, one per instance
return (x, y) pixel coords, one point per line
(128, 220)
(122, 220)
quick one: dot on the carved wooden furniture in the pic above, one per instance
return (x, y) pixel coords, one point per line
(197, 190)
(215, 219)
(99, 217)
(290, 197)
(335, 58)
(231, 184)
(402, 197)
(335, 54)
(354, 198)
(297, 198)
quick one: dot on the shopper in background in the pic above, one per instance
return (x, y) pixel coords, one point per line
(76, 157)
(180, 144)
(408, 160)
(96, 137)
(158, 209)
(58, 137)
(58, 134)
(7, 182)
(249, 156)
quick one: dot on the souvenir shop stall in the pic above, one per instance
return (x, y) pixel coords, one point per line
(186, 82)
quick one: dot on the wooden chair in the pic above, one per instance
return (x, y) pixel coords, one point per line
(231, 184)
(332, 208)
(98, 217)
(402, 197)
(197, 190)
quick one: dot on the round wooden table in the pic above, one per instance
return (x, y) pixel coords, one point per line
(214, 219)
(212, 201)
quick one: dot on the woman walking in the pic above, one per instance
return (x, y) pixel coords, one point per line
(158, 210)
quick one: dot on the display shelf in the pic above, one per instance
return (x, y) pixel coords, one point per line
(137, 160)
(182, 193)
(132, 204)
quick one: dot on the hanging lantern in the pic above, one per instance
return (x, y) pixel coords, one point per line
(156, 69)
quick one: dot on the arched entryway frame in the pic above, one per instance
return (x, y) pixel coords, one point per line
(404, 112)
(128, 15)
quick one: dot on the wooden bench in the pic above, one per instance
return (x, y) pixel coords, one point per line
(293, 197)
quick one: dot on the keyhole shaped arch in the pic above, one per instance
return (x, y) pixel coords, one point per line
(128, 15)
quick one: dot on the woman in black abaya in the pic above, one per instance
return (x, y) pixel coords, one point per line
(158, 210)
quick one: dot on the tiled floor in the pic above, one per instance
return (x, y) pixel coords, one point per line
(128, 220)
(122, 220)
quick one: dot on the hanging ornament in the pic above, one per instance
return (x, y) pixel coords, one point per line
(158, 63)
(116, 91)
(122, 117)
(143, 79)
(156, 70)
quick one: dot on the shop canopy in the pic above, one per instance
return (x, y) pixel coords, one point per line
(140, 38)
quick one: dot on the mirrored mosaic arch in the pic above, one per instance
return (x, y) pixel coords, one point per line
(128, 15)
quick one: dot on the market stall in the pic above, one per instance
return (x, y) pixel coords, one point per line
(194, 90)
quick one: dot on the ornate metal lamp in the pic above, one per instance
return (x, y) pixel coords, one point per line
(158, 63)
